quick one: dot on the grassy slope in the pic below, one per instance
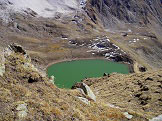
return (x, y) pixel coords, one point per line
(139, 92)
(44, 100)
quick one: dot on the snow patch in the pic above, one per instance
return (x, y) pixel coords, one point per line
(129, 30)
(134, 40)
(44, 8)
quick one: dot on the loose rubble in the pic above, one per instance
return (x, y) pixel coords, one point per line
(104, 47)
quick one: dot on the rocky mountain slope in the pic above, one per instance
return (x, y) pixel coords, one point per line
(141, 92)
(112, 12)
(27, 94)
(128, 31)
(139, 20)
(134, 26)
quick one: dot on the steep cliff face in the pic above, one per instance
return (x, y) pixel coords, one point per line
(113, 12)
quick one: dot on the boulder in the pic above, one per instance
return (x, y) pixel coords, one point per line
(84, 100)
(52, 79)
(142, 69)
(125, 34)
(86, 90)
(16, 48)
(106, 74)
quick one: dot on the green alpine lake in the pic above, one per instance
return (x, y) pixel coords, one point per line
(69, 72)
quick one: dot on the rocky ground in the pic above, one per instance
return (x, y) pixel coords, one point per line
(52, 42)
(78, 36)
(140, 92)
(27, 94)
(134, 25)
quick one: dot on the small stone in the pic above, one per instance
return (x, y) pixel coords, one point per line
(22, 110)
(2, 69)
(22, 114)
(105, 74)
(21, 107)
(52, 79)
(149, 78)
(112, 106)
(127, 115)
(142, 69)
(125, 34)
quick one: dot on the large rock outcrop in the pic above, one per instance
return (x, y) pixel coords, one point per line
(85, 89)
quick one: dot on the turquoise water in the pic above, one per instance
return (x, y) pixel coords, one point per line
(68, 73)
